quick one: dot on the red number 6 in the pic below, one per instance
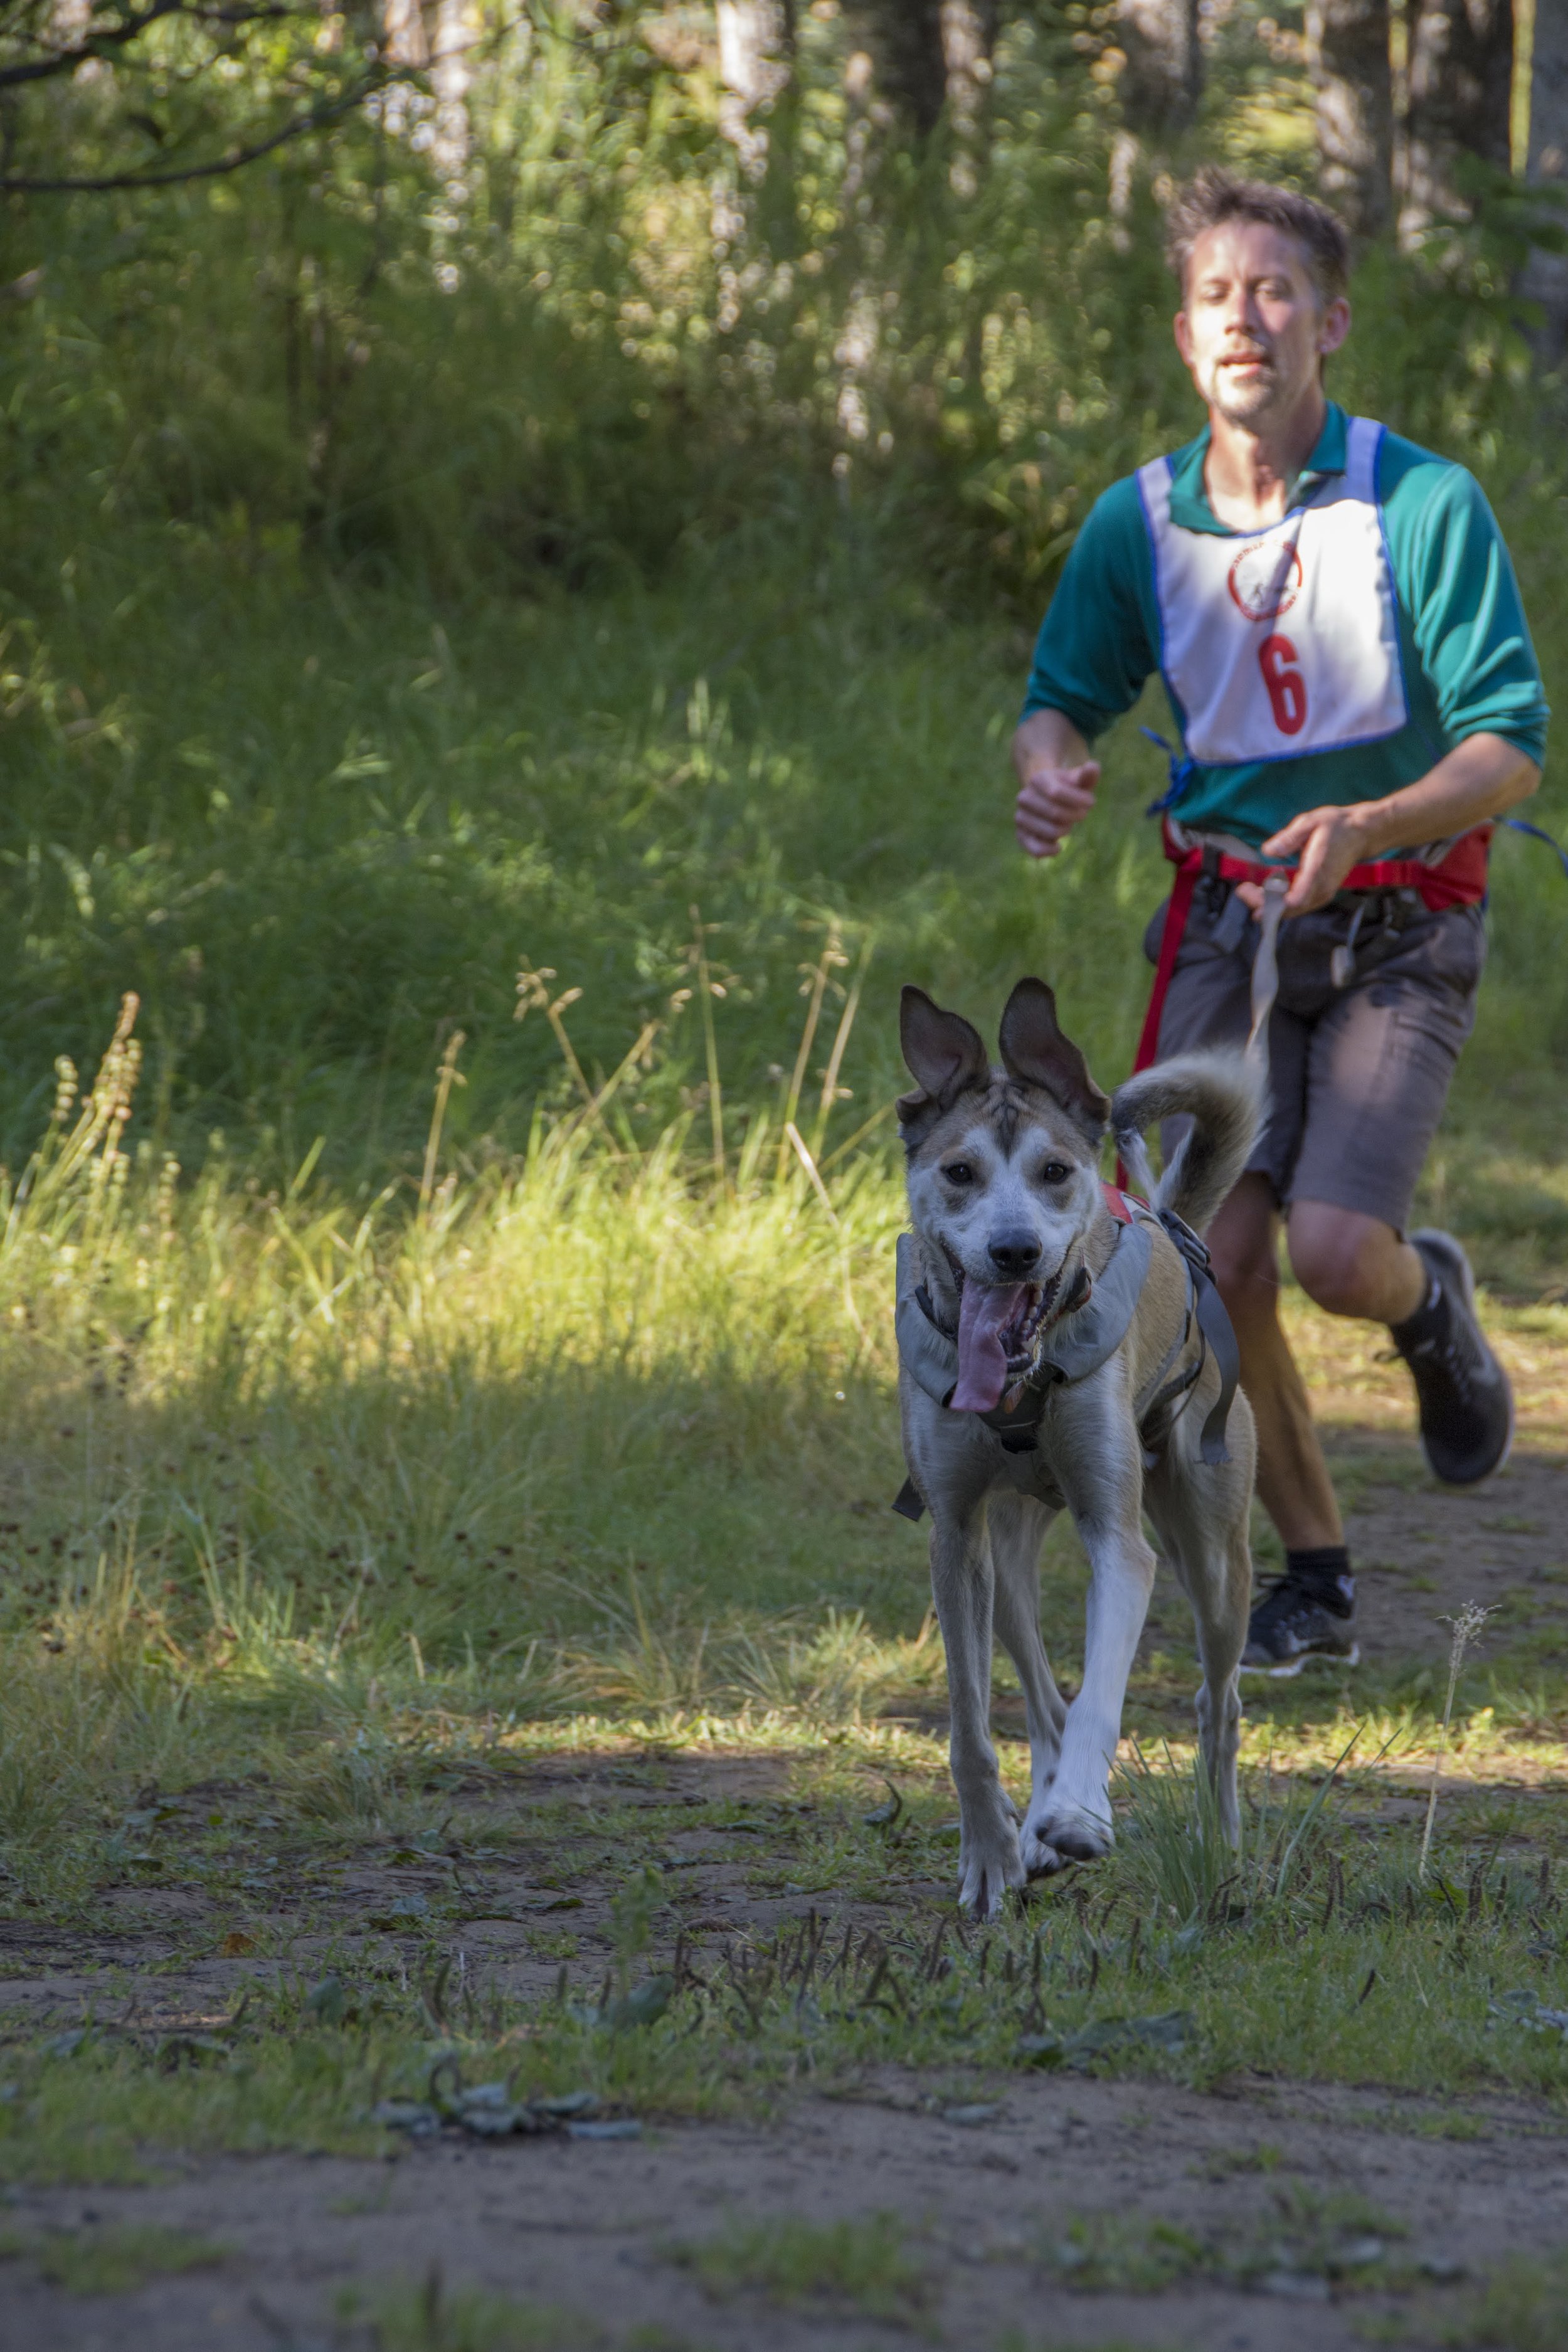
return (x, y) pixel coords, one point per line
(1279, 661)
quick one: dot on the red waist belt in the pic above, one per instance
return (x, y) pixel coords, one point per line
(1457, 880)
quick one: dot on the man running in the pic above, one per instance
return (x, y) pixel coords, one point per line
(1340, 637)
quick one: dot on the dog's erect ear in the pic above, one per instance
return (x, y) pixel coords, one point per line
(944, 1052)
(1035, 1050)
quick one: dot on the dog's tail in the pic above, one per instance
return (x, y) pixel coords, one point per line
(1223, 1094)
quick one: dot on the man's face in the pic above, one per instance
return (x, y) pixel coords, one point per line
(1253, 327)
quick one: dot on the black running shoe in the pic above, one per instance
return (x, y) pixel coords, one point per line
(1465, 1401)
(1291, 1624)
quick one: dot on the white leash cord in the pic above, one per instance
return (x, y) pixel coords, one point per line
(1266, 968)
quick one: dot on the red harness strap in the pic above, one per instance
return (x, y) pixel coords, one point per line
(1459, 880)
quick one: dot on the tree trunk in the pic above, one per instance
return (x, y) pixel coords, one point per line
(1162, 81)
(1544, 278)
(968, 30)
(1347, 51)
(751, 37)
(1461, 104)
(908, 55)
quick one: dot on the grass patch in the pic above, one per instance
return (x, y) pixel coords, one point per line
(1364, 1972)
(431, 2316)
(1307, 2236)
(323, 1529)
(1522, 2307)
(861, 2264)
(113, 2260)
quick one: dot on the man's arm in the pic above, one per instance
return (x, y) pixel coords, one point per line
(1057, 777)
(1455, 581)
(1095, 648)
(1481, 778)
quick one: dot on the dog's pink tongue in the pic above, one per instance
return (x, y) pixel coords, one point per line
(982, 1316)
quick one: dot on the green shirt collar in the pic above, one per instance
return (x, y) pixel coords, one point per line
(1190, 508)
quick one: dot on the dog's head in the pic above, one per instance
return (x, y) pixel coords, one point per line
(1002, 1176)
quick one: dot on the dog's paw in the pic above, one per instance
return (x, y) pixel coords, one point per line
(1075, 1834)
(983, 1890)
(987, 1867)
(1041, 1859)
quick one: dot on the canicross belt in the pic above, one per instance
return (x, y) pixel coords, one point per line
(1457, 880)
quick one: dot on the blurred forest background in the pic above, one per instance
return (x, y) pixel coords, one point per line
(499, 488)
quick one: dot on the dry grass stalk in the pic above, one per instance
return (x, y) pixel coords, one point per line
(708, 988)
(1466, 1625)
(813, 988)
(446, 1079)
(840, 1043)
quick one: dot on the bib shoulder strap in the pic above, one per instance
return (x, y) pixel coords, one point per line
(1363, 440)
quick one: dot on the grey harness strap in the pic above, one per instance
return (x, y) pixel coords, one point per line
(1083, 1339)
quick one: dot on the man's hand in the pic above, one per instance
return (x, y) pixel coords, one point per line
(1056, 780)
(1478, 779)
(1051, 801)
(1325, 843)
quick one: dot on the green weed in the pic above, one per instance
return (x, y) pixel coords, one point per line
(1522, 2307)
(861, 2263)
(113, 2259)
(1306, 2236)
(433, 2318)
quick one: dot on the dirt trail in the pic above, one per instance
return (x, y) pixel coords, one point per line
(594, 2228)
(591, 2228)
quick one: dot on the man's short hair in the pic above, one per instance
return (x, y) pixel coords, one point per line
(1215, 196)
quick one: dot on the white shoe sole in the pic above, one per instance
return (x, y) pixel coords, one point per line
(1351, 1657)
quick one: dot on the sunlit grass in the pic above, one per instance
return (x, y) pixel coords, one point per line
(583, 1449)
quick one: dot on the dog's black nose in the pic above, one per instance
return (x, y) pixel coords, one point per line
(1013, 1253)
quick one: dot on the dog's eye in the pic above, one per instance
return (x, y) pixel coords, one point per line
(1055, 1171)
(959, 1172)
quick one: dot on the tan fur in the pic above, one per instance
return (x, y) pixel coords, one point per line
(990, 1509)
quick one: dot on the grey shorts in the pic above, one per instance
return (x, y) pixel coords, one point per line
(1358, 1075)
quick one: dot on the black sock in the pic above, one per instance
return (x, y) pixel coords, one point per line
(1424, 1323)
(1325, 1575)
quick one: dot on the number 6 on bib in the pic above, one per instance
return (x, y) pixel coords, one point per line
(1279, 661)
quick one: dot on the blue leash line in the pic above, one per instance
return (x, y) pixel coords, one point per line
(1539, 833)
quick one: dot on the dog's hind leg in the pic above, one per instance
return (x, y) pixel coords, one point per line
(1017, 1525)
(1201, 1515)
(962, 1589)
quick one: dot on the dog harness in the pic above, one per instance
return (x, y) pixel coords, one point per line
(1092, 1325)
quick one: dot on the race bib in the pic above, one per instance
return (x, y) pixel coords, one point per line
(1285, 641)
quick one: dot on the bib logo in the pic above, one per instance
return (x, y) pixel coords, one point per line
(1264, 579)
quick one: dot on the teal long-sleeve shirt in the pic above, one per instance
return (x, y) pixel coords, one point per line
(1468, 664)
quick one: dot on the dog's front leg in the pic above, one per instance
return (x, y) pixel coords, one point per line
(1016, 1526)
(961, 1578)
(1077, 1822)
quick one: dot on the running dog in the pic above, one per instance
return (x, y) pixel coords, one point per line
(1062, 1346)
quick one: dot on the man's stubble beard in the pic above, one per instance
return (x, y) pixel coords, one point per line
(1247, 404)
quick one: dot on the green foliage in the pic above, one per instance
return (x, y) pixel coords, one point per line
(432, 2318)
(1306, 2237)
(315, 733)
(1521, 2307)
(861, 2262)
(111, 2260)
